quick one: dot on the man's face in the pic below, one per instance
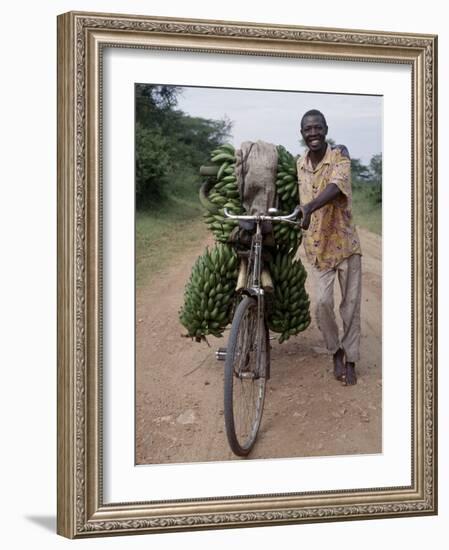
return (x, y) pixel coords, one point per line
(314, 131)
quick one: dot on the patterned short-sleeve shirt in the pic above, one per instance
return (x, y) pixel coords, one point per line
(331, 236)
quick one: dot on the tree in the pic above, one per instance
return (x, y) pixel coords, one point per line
(152, 159)
(170, 145)
(360, 172)
(375, 166)
(153, 102)
(196, 137)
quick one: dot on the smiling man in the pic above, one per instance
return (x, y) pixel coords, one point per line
(331, 241)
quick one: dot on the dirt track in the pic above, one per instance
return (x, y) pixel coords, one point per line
(179, 384)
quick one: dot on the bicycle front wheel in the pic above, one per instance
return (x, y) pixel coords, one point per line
(245, 376)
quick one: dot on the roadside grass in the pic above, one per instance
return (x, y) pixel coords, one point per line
(366, 209)
(163, 233)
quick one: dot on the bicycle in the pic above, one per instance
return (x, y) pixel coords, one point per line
(247, 356)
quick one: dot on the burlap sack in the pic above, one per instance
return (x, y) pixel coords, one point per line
(255, 169)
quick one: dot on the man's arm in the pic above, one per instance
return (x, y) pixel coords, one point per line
(331, 192)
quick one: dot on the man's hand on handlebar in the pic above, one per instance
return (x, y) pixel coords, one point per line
(305, 213)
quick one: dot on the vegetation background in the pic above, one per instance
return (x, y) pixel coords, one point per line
(170, 147)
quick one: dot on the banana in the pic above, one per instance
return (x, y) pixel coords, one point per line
(223, 156)
(222, 170)
(228, 147)
(229, 179)
(281, 175)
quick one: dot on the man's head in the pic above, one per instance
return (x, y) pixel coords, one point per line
(314, 130)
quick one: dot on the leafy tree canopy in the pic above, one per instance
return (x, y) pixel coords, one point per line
(170, 145)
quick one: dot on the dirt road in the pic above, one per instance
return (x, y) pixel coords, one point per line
(179, 384)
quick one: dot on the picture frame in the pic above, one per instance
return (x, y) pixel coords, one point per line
(82, 40)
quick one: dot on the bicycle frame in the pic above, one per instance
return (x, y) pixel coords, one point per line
(253, 280)
(254, 287)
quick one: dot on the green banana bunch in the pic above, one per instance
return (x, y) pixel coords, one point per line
(223, 194)
(286, 180)
(209, 293)
(288, 237)
(289, 313)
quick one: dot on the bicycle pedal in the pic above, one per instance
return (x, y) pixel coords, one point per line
(220, 354)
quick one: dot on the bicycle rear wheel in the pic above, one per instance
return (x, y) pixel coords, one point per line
(246, 366)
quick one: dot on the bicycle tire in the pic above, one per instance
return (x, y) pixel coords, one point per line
(244, 380)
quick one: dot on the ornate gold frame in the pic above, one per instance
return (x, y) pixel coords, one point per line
(81, 37)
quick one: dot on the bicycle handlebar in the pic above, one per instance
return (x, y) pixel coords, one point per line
(262, 217)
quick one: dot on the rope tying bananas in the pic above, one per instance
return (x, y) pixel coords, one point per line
(210, 291)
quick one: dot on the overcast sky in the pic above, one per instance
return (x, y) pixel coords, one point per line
(273, 116)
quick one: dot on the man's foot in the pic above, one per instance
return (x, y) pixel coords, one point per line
(349, 378)
(339, 365)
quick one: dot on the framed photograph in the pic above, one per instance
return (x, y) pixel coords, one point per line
(154, 118)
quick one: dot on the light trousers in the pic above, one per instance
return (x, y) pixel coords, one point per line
(349, 273)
